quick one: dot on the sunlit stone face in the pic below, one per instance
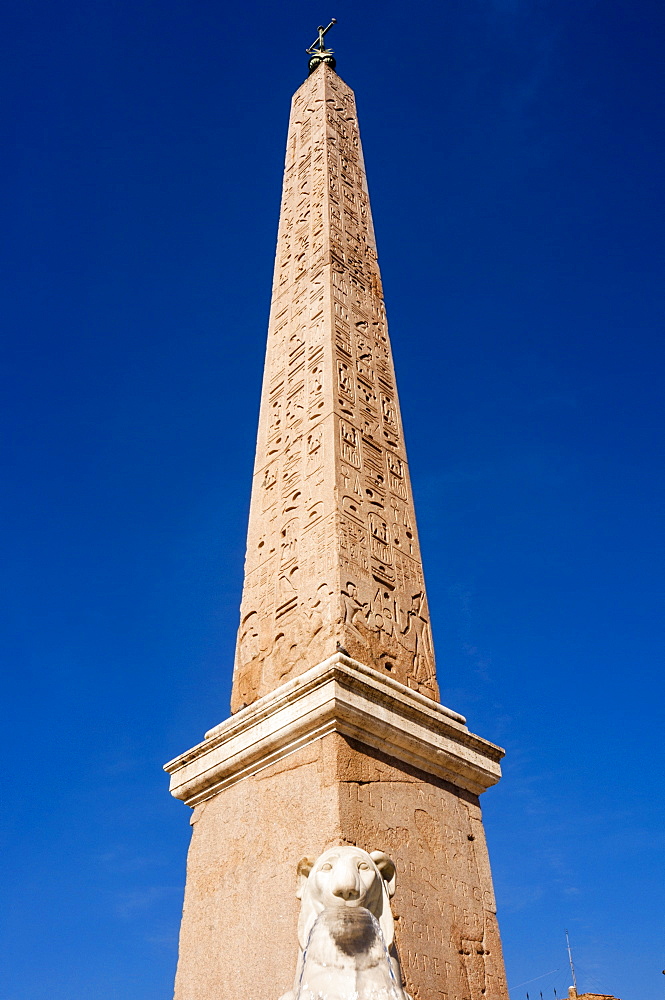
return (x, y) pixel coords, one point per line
(346, 878)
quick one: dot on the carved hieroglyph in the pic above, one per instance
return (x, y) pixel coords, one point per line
(332, 549)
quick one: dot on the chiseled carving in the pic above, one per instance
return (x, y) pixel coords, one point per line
(346, 929)
(332, 548)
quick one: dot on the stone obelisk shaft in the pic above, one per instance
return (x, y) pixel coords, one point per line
(332, 550)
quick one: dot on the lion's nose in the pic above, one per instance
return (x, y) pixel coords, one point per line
(345, 891)
(345, 883)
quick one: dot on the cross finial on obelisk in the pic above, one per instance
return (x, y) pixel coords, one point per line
(318, 50)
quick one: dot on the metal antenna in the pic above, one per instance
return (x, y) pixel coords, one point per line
(570, 959)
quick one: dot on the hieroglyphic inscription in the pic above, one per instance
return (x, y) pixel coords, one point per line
(332, 553)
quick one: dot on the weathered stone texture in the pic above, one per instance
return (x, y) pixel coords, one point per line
(332, 548)
(446, 928)
(238, 932)
(241, 874)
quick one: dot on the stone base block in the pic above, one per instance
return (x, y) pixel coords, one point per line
(339, 756)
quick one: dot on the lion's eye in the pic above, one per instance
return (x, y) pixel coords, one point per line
(363, 866)
(326, 868)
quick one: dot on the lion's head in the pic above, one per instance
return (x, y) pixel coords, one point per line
(346, 876)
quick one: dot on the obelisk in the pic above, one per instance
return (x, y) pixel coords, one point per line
(337, 735)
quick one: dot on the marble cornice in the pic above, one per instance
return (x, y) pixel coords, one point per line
(339, 695)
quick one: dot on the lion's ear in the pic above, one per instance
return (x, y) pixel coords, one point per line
(305, 866)
(387, 868)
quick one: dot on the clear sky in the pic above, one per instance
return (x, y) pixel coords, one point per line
(515, 158)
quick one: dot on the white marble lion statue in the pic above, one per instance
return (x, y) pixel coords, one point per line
(346, 929)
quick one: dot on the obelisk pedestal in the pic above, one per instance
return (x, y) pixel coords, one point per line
(339, 755)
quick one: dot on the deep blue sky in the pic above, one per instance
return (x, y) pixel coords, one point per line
(515, 157)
